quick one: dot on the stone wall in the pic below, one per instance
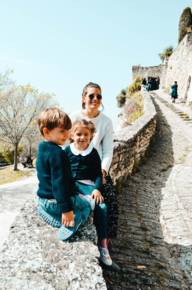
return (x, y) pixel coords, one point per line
(179, 68)
(131, 143)
(33, 257)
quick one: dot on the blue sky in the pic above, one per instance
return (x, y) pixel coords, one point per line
(59, 46)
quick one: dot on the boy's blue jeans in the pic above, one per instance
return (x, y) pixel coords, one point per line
(82, 210)
(100, 211)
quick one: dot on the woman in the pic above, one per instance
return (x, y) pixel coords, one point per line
(103, 142)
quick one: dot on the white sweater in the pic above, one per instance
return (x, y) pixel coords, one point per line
(103, 138)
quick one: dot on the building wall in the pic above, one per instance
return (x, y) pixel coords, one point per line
(144, 72)
(179, 68)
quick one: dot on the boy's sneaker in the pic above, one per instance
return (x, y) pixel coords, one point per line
(65, 233)
(105, 257)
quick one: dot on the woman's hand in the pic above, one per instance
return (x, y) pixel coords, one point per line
(96, 194)
(68, 219)
(104, 175)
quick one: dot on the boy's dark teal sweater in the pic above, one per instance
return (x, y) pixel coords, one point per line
(54, 174)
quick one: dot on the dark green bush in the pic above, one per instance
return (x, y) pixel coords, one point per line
(184, 22)
(8, 154)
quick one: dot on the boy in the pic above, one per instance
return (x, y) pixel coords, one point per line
(56, 194)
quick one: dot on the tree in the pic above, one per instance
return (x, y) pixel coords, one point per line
(5, 80)
(167, 52)
(184, 22)
(31, 139)
(19, 106)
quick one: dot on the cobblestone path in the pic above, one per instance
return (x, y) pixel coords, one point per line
(155, 224)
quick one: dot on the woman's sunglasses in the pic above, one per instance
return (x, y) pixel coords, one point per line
(91, 97)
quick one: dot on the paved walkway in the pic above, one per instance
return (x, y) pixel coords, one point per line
(12, 198)
(176, 213)
(178, 106)
(155, 232)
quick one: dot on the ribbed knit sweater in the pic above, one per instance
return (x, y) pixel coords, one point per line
(54, 174)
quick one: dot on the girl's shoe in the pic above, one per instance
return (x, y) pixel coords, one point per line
(105, 257)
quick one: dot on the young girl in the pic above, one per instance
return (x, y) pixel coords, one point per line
(87, 175)
(103, 142)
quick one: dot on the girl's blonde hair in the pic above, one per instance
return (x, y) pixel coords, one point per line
(83, 123)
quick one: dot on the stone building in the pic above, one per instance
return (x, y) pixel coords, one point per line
(145, 72)
(179, 68)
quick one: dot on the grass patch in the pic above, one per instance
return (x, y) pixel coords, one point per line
(134, 108)
(131, 100)
(7, 174)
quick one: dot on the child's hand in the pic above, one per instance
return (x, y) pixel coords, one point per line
(96, 194)
(104, 173)
(68, 219)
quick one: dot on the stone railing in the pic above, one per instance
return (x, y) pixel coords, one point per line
(132, 142)
(34, 258)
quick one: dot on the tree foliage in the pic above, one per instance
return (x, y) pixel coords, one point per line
(19, 106)
(31, 139)
(184, 22)
(167, 52)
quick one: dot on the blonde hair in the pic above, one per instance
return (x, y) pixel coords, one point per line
(83, 123)
(52, 118)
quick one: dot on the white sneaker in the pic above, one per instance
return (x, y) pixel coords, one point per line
(105, 257)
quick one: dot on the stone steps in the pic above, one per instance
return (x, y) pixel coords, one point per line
(183, 115)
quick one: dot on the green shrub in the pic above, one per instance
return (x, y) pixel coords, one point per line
(167, 52)
(134, 107)
(121, 100)
(8, 154)
(135, 86)
(132, 100)
(184, 22)
(2, 158)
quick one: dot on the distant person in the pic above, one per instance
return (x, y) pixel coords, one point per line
(157, 82)
(144, 82)
(57, 200)
(148, 86)
(143, 85)
(174, 94)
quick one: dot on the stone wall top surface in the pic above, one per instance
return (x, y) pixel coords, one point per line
(34, 259)
(129, 132)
